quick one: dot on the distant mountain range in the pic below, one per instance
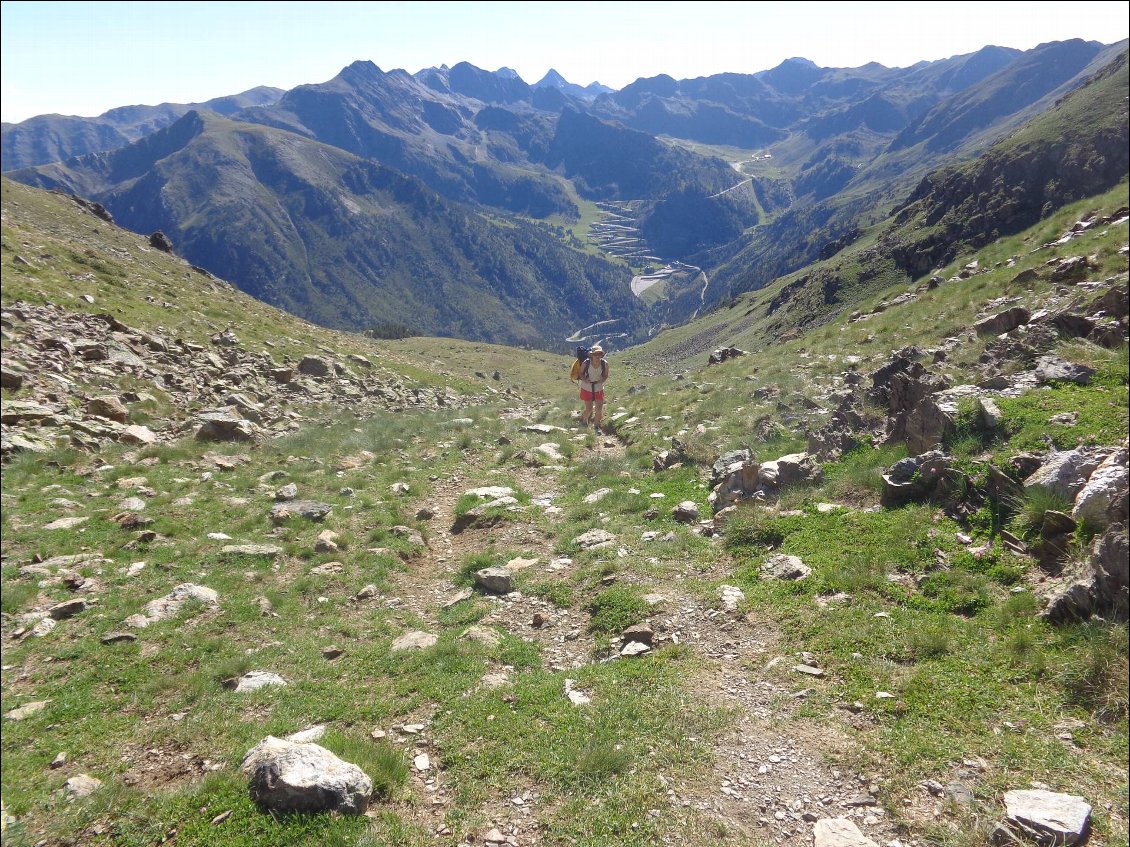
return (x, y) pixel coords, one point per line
(450, 201)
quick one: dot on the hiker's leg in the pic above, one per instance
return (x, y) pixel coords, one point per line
(599, 407)
(586, 415)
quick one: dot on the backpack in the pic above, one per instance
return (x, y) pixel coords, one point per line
(582, 357)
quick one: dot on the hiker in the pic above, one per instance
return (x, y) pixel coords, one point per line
(593, 375)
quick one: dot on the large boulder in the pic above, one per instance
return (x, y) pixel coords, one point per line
(735, 477)
(1103, 486)
(316, 366)
(227, 424)
(1066, 473)
(293, 777)
(934, 418)
(1005, 321)
(913, 478)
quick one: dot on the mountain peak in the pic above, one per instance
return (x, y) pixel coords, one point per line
(552, 77)
(361, 71)
(507, 73)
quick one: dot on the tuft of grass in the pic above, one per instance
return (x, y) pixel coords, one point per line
(615, 609)
(1029, 511)
(931, 641)
(596, 762)
(1097, 677)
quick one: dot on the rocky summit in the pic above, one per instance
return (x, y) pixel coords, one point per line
(844, 563)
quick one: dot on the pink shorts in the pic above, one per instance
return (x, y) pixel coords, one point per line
(588, 395)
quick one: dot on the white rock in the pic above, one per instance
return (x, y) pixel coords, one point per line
(1103, 486)
(415, 640)
(1049, 816)
(81, 786)
(597, 495)
(634, 648)
(168, 606)
(595, 539)
(839, 832)
(732, 597)
(254, 680)
(491, 492)
(308, 736)
(1066, 473)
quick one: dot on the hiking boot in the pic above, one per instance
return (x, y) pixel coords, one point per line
(596, 429)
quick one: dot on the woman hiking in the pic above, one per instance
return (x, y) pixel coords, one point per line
(593, 375)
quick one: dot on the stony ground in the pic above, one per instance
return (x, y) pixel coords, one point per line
(772, 777)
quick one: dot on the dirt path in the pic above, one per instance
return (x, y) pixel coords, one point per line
(771, 778)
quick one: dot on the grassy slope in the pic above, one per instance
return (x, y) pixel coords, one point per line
(974, 673)
(74, 253)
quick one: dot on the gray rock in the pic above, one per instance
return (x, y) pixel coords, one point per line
(310, 510)
(640, 632)
(81, 786)
(287, 493)
(495, 580)
(839, 832)
(226, 424)
(1066, 473)
(732, 597)
(292, 777)
(68, 609)
(1103, 486)
(118, 637)
(108, 407)
(269, 550)
(139, 435)
(1055, 369)
(595, 539)
(1110, 563)
(415, 640)
(317, 366)
(686, 512)
(1049, 817)
(170, 605)
(1004, 321)
(784, 567)
(490, 492)
(26, 710)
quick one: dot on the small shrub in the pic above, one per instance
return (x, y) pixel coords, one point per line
(616, 609)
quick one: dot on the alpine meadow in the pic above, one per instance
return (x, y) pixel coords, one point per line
(305, 540)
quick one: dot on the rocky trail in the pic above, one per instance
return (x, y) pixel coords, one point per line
(771, 779)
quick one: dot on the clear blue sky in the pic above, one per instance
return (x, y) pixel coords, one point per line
(85, 58)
